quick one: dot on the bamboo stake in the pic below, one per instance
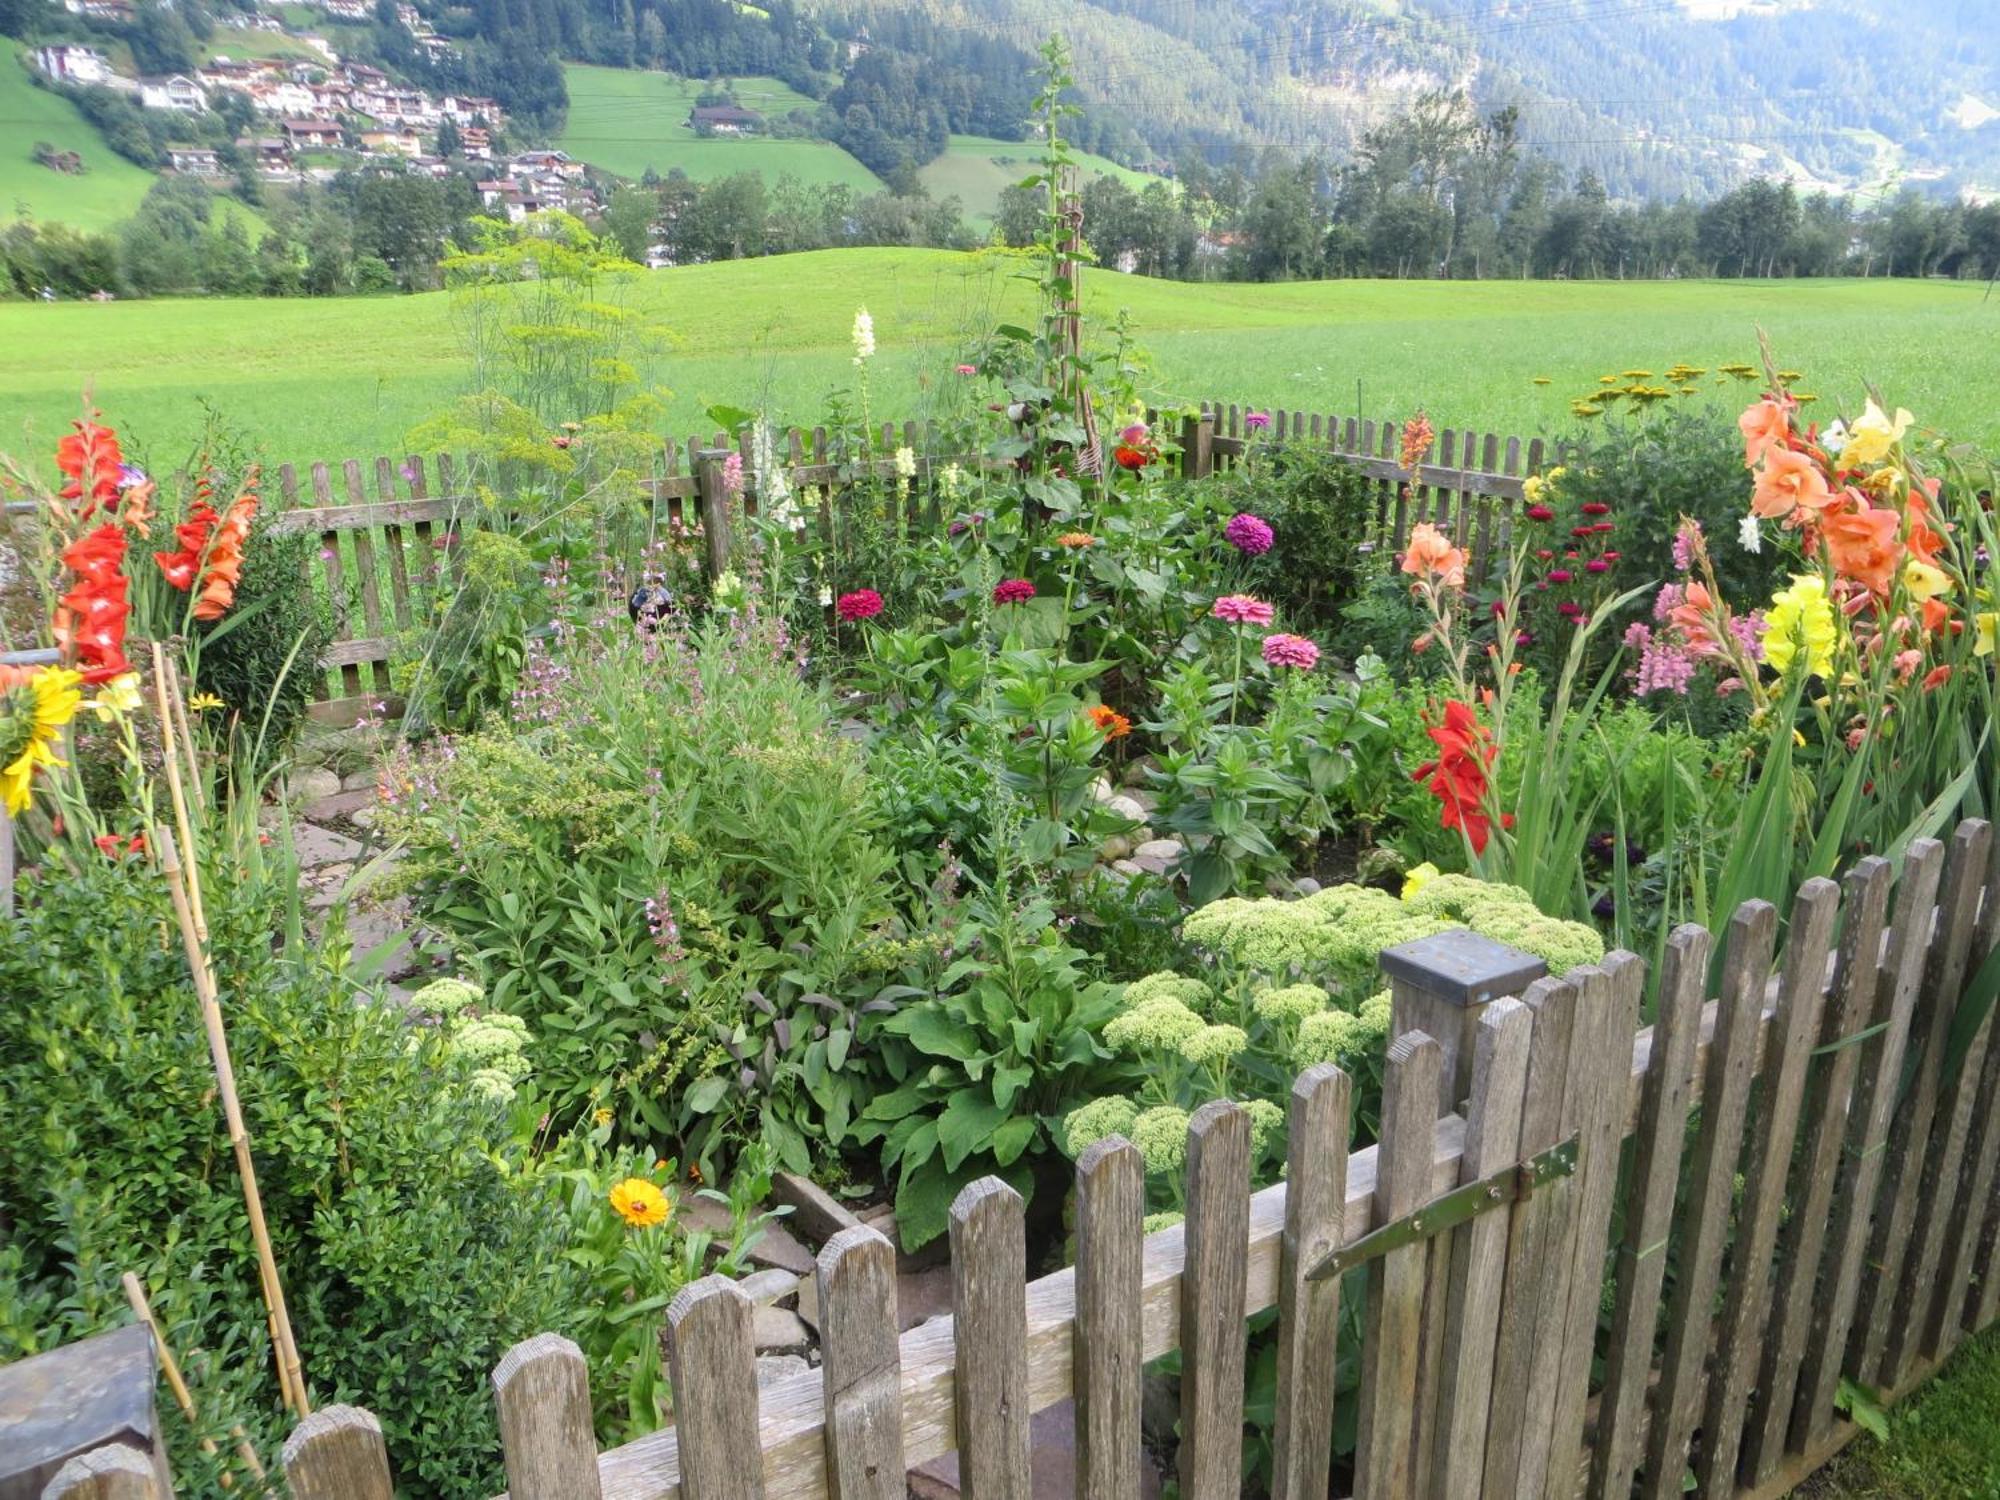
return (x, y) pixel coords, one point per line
(178, 698)
(171, 757)
(291, 1373)
(135, 1293)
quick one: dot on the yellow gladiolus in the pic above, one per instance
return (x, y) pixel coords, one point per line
(1801, 615)
(1985, 627)
(1873, 435)
(117, 698)
(1924, 581)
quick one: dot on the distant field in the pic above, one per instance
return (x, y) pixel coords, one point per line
(110, 187)
(978, 169)
(241, 42)
(626, 121)
(340, 378)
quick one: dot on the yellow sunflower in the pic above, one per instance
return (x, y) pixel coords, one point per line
(640, 1203)
(34, 707)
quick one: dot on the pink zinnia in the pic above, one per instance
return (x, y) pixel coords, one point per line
(1290, 651)
(1249, 534)
(1560, 575)
(1013, 591)
(1597, 565)
(1540, 513)
(1256, 420)
(968, 369)
(1241, 609)
(1134, 435)
(862, 604)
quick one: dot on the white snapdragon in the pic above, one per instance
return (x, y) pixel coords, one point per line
(864, 335)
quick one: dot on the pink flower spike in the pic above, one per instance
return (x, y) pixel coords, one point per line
(1241, 609)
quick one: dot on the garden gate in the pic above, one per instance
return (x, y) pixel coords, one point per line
(1810, 1151)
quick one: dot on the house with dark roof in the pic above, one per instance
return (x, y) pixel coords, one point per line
(725, 119)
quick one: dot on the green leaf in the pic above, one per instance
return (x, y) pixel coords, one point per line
(930, 1029)
(966, 1125)
(1012, 1138)
(706, 1094)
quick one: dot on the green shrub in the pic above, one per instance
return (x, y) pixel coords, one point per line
(263, 656)
(410, 1259)
(1322, 509)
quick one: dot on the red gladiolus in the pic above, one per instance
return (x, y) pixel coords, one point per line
(90, 619)
(1458, 776)
(90, 458)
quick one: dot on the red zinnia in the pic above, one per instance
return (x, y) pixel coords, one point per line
(862, 604)
(1013, 591)
(1129, 457)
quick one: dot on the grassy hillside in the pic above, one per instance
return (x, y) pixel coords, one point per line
(978, 170)
(109, 188)
(344, 378)
(626, 121)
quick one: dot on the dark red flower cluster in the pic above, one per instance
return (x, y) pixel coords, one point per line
(862, 604)
(1458, 777)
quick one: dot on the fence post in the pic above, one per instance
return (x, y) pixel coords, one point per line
(113, 1472)
(1442, 985)
(337, 1454)
(541, 1388)
(715, 536)
(1198, 446)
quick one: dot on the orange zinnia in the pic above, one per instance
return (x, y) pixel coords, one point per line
(1862, 545)
(1110, 723)
(1765, 427)
(1432, 554)
(1789, 482)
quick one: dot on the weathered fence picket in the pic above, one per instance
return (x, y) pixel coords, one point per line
(1488, 1208)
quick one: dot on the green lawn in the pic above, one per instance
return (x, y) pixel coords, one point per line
(626, 121)
(1944, 1442)
(979, 169)
(108, 189)
(242, 43)
(347, 377)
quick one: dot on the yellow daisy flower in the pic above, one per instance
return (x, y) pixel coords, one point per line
(640, 1203)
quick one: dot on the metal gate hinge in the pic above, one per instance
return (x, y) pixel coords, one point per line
(1515, 1184)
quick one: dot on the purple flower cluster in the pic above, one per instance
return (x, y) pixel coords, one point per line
(1684, 540)
(1664, 665)
(1250, 535)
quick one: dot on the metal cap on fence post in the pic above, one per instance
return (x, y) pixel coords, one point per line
(1442, 985)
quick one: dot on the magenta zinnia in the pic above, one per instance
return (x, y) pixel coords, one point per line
(1241, 609)
(1013, 591)
(1290, 651)
(1248, 534)
(862, 604)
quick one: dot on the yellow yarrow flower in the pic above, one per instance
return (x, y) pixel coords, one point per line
(1873, 435)
(116, 699)
(1801, 615)
(640, 1203)
(30, 725)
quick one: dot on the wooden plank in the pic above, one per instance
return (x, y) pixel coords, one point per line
(344, 713)
(395, 543)
(990, 1340)
(337, 1454)
(1384, 1459)
(715, 1390)
(1110, 1370)
(541, 1390)
(113, 1472)
(1608, 1016)
(1944, 1159)
(1704, 1218)
(1780, 1096)
(1909, 1137)
(331, 517)
(1479, 1255)
(1822, 1139)
(1309, 1311)
(288, 488)
(1530, 1240)
(1213, 1294)
(862, 1366)
(1897, 978)
(1649, 1215)
(364, 573)
(1982, 1301)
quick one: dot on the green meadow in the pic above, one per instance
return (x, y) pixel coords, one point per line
(350, 377)
(109, 188)
(978, 170)
(625, 121)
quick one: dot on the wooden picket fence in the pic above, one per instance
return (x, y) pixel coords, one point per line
(386, 528)
(1790, 1210)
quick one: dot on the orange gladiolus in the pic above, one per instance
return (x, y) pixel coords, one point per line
(1765, 427)
(1431, 554)
(1789, 482)
(1862, 545)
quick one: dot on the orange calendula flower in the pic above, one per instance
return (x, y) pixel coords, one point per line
(1110, 723)
(640, 1203)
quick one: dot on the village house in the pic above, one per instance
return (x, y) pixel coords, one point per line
(101, 10)
(173, 91)
(307, 135)
(72, 64)
(555, 164)
(475, 143)
(472, 109)
(347, 10)
(194, 161)
(400, 141)
(725, 119)
(270, 154)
